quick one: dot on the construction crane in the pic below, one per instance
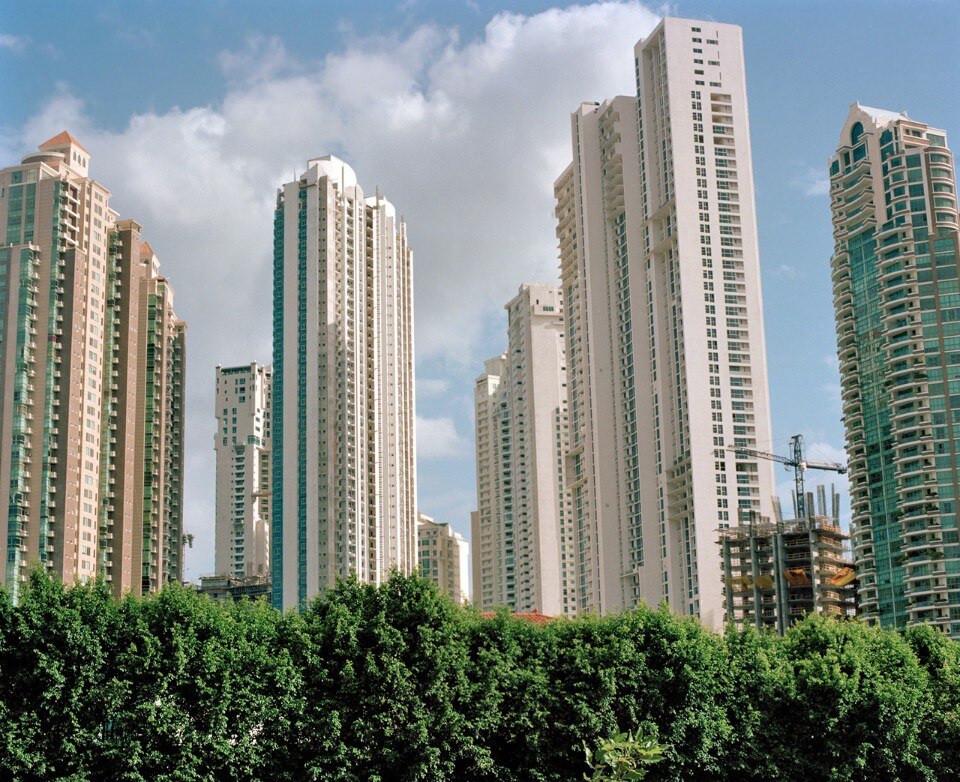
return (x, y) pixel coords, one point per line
(185, 541)
(799, 465)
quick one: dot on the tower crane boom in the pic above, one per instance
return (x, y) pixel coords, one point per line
(799, 465)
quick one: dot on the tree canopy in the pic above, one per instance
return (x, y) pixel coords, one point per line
(397, 683)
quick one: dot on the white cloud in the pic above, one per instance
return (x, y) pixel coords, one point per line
(786, 271)
(21, 44)
(465, 137)
(263, 58)
(15, 43)
(812, 181)
(437, 438)
(432, 386)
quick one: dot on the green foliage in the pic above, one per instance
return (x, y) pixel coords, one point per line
(939, 658)
(622, 757)
(397, 683)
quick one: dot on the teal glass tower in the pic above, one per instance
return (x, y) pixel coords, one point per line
(897, 303)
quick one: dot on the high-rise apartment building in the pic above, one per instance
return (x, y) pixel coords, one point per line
(243, 409)
(443, 556)
(895, 284)
(666, 357)
(523, 547)
(344, 480)
(91, 392)
(493, 583)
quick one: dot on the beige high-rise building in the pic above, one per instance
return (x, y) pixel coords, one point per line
(523, 540)
(443, 556)
(344, 467)
(493, 583)
(243, 409)
(91, 392)
(666, 357)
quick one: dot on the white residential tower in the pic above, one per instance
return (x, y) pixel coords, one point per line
(343, 407)
(523, 546)
(242, 443)
(666, 358)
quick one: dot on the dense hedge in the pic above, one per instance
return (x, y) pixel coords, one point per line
(396, 683)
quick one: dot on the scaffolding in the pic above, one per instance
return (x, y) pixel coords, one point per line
(777, 572)
(222, 587)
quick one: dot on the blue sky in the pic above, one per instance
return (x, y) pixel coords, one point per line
(194, 112)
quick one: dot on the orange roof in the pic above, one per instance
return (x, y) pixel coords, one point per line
(60, 140)
(532, 617)
(146, 249)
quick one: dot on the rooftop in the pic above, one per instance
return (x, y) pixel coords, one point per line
(62, 139)
(882, 116)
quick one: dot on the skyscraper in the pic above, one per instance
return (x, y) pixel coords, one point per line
(443, 556)
(895, 284)
(242, 442)
(523, 548)
(343, 408)
(91, 392)
(493, 583)
(666, 357)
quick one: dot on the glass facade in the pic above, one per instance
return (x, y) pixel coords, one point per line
(276, 518)
(895, 274)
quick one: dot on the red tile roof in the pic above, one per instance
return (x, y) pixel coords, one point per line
(532, 617)
(61, 140)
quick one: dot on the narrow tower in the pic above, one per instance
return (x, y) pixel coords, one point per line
(242, 443)
(522, 539)
(895, 270)
(343, 434)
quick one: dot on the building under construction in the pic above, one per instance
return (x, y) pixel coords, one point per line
(777, 572)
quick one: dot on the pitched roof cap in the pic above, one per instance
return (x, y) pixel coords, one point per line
(61, 140)
(882, 116)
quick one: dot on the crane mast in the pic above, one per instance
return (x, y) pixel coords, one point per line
(799, 465)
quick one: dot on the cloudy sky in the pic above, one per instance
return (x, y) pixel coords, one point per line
(194, 112)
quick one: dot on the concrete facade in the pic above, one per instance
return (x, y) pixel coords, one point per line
(91, 392)
(666, 356)
(344, 470)
(442, 555)
(242, 443)
(523, 547)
